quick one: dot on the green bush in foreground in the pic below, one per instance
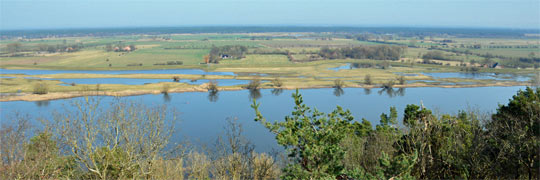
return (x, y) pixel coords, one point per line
(312, 139)
(468, 145)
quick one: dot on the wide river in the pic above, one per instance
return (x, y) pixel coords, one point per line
(202, 116)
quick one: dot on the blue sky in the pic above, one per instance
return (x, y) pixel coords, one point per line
(51, 14)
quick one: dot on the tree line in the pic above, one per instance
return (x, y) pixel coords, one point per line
(228, 51)
(17, 47)
(379, 52)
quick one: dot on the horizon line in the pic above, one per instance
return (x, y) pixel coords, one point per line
(271, 25)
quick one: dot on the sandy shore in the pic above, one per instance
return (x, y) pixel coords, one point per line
(67, 95)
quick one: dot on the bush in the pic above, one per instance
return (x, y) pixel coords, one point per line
(338, 83)
(277, 82)
(312, 139)
(165, 89)
(401, 80)
(41, 88)
(254, 84)
(367, 80)
(388, 85)
(120, 142)
(212, 86)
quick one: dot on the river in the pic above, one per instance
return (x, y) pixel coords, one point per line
(203, 115)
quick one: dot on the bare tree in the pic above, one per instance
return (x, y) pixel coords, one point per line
(119, 141)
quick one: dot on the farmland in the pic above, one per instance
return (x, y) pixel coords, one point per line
(295, 59)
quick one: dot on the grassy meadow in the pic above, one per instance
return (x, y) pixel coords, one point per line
(267, 53)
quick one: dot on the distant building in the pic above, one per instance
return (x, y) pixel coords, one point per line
(127, 48)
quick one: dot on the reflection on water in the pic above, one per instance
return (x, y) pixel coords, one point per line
(401, 91)
(42, 103)
(277, 91)
(254, 94)
(213, 95)
(391, 92)
(198, 125)
(338, 92)
(166, 97)
(367, 91)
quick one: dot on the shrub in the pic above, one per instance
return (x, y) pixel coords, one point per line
(401, 80)
(165, 89)
(198, 165)
(212, 86)
(338, 83)
(254, 84)
(114, 142)
(312, 139)
(41, 88)
(277, 82)
(388, 85)
(264, 167)
(367, 80)
(168, 169)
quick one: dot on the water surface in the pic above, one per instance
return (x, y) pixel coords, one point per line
(202, 115)
(157, 71)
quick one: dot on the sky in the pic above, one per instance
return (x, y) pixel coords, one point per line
(58, 14)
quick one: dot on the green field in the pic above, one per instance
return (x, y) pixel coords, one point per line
(266, 54)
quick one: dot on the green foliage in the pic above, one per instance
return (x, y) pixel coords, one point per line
(229, 51)
(43, 147)
(379, 52)
(42, 160)
(398, 167)
(312, 139)
(513, 136)
(438, 55)
(114, 164)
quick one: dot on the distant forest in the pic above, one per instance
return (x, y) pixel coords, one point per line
(402, 31)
